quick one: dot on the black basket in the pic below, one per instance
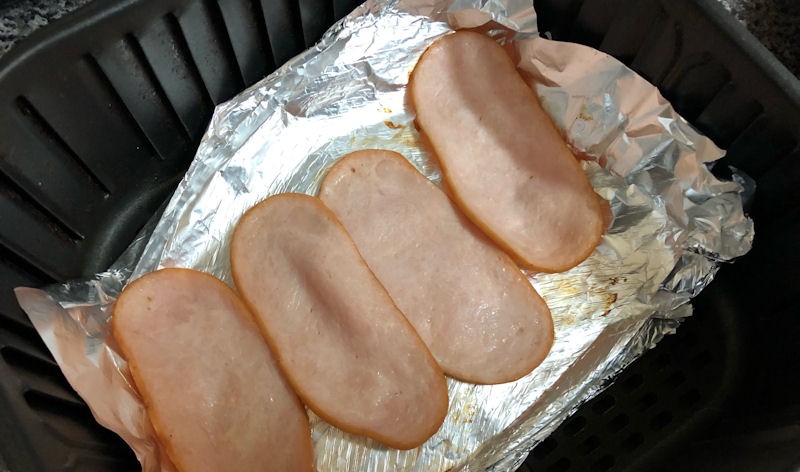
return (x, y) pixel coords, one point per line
(101, 112)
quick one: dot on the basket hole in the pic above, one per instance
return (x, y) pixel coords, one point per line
(604, 463)
(633, 382)
(589, 445)
(42, 402)
(574, 425)
(23, 361)
(633, 441)
(620, 421)
(22, 329)
(603, 404)
(561, 465)
(676, 379)
(661, 420)
(647, 400)
(545, 448)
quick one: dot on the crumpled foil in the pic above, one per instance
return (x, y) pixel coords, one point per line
(674, 222)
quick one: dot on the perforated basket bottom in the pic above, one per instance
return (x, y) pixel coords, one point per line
(664, 396)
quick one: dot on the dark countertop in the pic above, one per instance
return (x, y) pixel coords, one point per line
(776, 23)
(20, 18)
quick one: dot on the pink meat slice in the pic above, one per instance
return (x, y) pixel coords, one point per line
(480, 317)
(506, 164)
(348, 351)
(212, 389)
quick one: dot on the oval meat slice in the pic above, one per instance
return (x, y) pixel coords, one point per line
(348, 351)
(212, 389)
(503, 159)
(480, 317)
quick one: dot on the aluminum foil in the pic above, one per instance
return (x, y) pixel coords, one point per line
(674, 222)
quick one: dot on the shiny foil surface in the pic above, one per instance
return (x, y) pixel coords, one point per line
(674, 223)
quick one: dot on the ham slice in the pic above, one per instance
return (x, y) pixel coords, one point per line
(503, 159)
(480, 317)
(350, 354)
(212, 389)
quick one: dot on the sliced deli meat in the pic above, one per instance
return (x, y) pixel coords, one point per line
(348, 351)
(478, 314)
(502, 158)
(211, 387)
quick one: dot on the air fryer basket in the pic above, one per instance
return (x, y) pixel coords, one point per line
(101, 113)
